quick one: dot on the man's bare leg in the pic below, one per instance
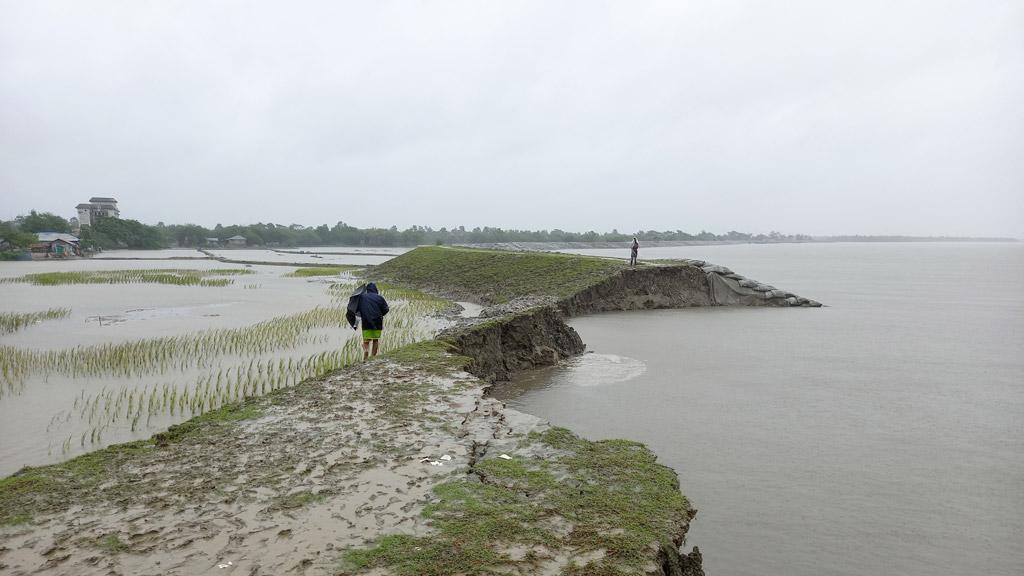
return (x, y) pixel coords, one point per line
(376, 346)
(366, 349)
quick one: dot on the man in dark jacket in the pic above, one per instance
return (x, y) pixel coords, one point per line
(372, 308)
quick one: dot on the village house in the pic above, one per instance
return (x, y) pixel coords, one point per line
(237, 242)
(212, 242)
(55, 245)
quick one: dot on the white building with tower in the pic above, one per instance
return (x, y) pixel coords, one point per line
(95, 208)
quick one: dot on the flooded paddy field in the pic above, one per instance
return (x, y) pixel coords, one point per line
(166, 254)
(312, 255)
(111, 362)
(306, 255)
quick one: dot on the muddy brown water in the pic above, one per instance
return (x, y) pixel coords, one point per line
(882, 434)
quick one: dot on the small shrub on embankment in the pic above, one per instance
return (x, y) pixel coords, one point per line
(496, 276)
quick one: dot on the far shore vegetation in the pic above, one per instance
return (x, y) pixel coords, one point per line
(112, 233)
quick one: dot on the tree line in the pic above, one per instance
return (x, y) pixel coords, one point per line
(109, 233)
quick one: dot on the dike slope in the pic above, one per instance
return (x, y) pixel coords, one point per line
(514, 281)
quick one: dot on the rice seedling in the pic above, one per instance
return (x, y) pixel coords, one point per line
(14, 321)
(320, 271)
(171, 353)
(232, 380)
(424, 303)
(159, 381)
(176, 277)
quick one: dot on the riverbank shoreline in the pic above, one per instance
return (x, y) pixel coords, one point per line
(399, 465)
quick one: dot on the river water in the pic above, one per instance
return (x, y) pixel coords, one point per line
(881, 434)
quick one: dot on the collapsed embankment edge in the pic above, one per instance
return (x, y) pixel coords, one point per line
(539, 337)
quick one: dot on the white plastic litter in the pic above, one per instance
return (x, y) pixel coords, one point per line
(435, 463)
(505, 457)
(446, 457)
(227, 565)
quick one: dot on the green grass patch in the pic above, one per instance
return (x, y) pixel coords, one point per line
(32, 488)
(233, 412)
(175, 277)
(14, 321)
(298, 500)
(17, 520)
(612, 494)
(496, 276)
(435, 356)
(42, 488)
(111, 544)
(320, 271)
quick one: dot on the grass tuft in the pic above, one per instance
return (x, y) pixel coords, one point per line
(233, 412)
(299, 500)
(111, 544)
(17, 520)
(28, 488)
(435, 356)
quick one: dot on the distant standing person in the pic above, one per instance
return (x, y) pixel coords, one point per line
(633, 252)
(372, 308)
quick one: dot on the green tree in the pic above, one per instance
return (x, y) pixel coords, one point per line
(109, 233)
(45, 222)
(13, 240)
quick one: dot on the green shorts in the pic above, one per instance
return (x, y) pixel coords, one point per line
(371, 334)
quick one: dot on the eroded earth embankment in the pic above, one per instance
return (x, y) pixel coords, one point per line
(401, 465)
(513, 281)
(398, 466)
(677, 285)
(503, 346)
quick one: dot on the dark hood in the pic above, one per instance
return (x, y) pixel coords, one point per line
(371, 287)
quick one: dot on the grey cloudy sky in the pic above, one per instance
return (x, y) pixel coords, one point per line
(874, 117)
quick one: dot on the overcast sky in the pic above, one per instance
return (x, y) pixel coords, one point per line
(871, 117)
